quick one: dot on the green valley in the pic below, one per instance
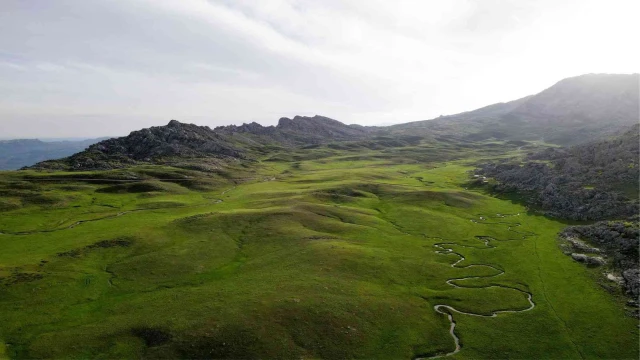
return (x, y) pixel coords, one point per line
(323, 252)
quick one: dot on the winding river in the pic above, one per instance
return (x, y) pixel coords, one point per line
(443, 249)
(118, 214)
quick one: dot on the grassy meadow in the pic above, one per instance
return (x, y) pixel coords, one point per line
(317, 253)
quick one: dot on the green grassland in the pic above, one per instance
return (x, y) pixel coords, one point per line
(319, 253)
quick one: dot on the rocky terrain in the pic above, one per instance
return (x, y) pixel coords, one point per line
(596, 181)
(300, 130)
(572, 111)
(593, 181)
(619, 240)
(179, 141)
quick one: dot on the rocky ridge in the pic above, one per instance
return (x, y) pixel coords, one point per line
(176, 140)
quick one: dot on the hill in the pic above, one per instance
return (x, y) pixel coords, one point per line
(178, 141)
(572, 111)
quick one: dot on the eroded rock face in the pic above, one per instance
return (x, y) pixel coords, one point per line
(588, 260)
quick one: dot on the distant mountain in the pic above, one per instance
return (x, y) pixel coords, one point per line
(176, 140)
(15, 154)
(572, 111)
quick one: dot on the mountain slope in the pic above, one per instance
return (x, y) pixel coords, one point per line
(572, 111)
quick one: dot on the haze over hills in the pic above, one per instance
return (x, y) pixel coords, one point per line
(573, 110)
(15, 154)
(316, 239)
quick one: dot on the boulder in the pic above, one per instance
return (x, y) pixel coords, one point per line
(588, 260)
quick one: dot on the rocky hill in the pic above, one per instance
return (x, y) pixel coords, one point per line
(176, 140)
(593, 181)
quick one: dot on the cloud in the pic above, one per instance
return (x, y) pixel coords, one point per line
(106, 67)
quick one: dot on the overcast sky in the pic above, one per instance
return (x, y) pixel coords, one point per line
(78, 68)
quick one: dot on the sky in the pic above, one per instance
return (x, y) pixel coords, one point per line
(77, 68)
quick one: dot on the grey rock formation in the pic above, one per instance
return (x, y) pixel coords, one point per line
(579, 245)
(588, 260)
(632, 282)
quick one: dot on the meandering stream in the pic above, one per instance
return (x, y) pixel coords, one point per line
(443, 248)
(486, 240)
(118, 214)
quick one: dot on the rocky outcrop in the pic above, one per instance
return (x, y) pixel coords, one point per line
(588, 260)
(299, 131)
(579, 245)
(320, 127)
(251, 128)
(618, 240)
